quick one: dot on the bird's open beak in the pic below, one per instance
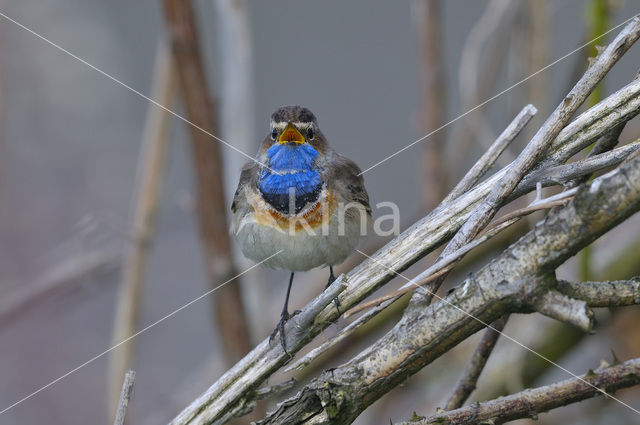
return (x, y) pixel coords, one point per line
(291, 135)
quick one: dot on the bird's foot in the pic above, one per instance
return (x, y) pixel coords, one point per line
(336, 301)
(284, 317)
(332, 279)
(280, 329)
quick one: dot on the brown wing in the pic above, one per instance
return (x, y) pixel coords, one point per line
(247, 178)
(344, 176)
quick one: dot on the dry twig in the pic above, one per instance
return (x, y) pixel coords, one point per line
(528, 403)
(486, 161)
(467, 382)
(125, 397)
(447, 262)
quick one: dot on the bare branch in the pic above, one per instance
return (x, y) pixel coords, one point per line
(594, 122)
(605, 143)
(603, 294)
(415, 283)
(561, 199)
(528, 403)
(489, 158)
(565, 173)
(445, 263)
(272, 390)
(344, 333)
(608, 141)
(255, 367)
(565, 309)
(125, 397)
(467, 382)
(619, 107)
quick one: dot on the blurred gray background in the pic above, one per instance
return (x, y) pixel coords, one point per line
(69, 144)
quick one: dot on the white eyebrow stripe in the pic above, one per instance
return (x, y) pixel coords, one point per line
(281, 125)
(278, 125)
(303, 125)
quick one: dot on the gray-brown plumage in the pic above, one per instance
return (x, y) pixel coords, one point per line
(300, 205)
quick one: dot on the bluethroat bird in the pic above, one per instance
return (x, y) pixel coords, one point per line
(300, 199)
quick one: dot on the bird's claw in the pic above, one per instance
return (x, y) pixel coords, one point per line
(280, 329)
(336, 301)
(332, 279)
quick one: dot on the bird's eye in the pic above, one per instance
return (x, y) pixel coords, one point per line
(310, 134)
(274, 134)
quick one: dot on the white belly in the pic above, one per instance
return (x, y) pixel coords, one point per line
(299, 250)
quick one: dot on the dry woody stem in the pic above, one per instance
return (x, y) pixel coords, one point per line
(469, 379)
(125, 397)
(529, 403)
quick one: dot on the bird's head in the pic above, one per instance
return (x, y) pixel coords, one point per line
(294, 126)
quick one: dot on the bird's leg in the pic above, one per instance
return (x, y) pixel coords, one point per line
(284, 316)
(332, 279)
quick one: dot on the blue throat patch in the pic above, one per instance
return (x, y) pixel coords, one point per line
(293, 166)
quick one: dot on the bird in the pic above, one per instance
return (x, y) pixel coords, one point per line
(299, 204)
